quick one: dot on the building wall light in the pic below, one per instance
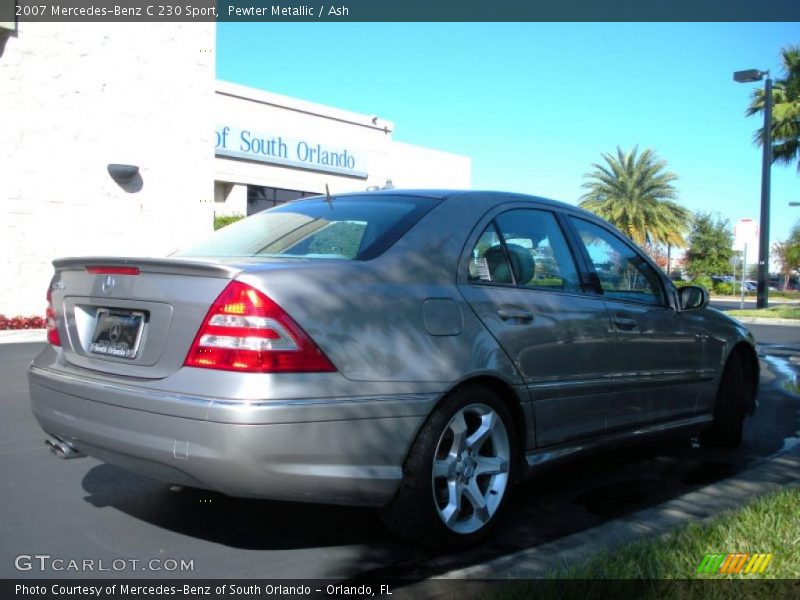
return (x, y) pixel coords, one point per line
(123, 173)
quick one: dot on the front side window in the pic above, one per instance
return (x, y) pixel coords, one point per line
(350, 227)
(524, 247)
(624, 274)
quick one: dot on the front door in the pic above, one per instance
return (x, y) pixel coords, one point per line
(657, 350)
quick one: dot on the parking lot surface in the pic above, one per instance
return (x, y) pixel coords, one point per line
(86, 510)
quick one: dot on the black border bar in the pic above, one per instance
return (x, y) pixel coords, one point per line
(395, 589)
(400, 10)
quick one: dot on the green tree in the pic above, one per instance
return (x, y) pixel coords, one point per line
(636, 194)
(710, 246)
(340, 237)
(785, 110)
(787, 254)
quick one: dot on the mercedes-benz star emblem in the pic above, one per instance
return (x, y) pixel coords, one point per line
(108, 284)
(115, 332)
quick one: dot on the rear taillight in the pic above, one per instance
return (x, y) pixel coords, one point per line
(50, 315)
(246, 331)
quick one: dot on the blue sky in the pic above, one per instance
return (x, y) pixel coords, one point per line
(535, 104)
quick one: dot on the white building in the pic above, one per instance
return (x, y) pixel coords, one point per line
(79, 98)
(271, 148)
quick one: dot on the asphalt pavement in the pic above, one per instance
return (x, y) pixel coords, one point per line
(86, 510)
(775, 335)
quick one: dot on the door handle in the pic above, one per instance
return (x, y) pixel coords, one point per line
(516, 314)
(623, 322)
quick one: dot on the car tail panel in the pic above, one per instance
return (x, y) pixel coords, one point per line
(132, 317)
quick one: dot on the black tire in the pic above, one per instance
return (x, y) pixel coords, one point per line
(729, 408)
(415, 513)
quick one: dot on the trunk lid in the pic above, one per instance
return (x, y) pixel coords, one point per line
(152, 315)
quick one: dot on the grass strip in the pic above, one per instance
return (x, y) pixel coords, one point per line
(666, 567)
(774, 312)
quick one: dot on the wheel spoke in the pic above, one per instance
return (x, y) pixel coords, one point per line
(488, 422)
(474, 496)
(453, 509)
(490, 465)
(445, 468)
(459, 428)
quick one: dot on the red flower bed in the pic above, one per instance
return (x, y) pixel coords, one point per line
(20, 322)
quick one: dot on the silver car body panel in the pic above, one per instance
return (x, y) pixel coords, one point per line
(348, 449)
(554, 454)
(402, 329)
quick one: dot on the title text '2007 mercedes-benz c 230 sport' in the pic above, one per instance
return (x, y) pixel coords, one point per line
(417, 351)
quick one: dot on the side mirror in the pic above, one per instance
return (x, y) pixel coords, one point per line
(692, 297)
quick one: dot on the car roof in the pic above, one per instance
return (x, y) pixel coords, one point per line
(489, 196)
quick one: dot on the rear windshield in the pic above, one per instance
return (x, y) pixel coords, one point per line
(351, 228)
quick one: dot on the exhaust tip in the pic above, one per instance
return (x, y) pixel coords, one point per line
(62, 448)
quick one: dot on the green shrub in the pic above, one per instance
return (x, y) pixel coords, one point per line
(223, 220)
(723, 288)
(703, 281)
(550, 282)
(340, 238)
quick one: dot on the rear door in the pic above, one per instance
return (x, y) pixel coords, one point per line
(523, 284)
(657, 350)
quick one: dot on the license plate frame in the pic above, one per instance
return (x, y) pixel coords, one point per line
(117, 333)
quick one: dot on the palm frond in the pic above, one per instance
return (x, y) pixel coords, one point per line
(785, 125)
(635, 192)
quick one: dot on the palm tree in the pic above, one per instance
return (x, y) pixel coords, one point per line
(636, 194)
(785, 110)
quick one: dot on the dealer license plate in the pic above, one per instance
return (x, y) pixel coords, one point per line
(117, 333)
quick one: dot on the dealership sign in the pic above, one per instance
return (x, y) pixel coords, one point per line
(250, 144)
(745, 233)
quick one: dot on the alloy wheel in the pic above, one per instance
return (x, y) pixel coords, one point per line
(470, 468)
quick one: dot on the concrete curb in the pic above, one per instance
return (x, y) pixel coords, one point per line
(21, 336)
(782, 470)
(736, 300)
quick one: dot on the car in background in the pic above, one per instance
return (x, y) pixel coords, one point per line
(722, 278)
(416, 351)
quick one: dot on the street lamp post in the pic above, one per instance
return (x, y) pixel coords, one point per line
(748, 76)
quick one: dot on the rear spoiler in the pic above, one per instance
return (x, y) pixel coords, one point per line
(169, 266)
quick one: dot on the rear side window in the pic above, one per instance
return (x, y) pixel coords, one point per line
(524, 247)
(350, 228)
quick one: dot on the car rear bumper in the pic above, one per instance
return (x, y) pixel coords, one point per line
(332, 450)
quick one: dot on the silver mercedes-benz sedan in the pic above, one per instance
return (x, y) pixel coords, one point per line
(418, 351)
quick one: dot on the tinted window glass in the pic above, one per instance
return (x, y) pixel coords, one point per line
(538, 254)
(489, 262)
(353, 227)
(623, 273)
(537, 249)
